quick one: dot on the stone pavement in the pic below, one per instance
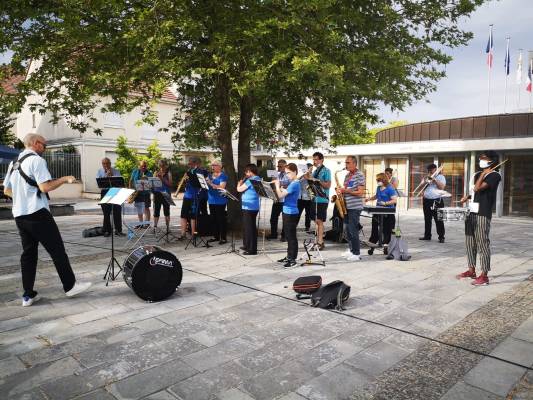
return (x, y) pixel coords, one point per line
(233, 330)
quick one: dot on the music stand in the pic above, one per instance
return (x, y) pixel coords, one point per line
(114, 196)
(167, 198)
(265, 190)
(309, 245)
(197, 180)
(231, 248)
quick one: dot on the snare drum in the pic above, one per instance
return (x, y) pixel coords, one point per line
(452, 213)
(152, 273)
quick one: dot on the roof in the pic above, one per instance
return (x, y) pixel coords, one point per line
(10, 84)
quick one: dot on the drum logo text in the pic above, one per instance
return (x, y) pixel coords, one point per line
(161, 261)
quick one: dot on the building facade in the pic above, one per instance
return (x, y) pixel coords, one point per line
(455, 144)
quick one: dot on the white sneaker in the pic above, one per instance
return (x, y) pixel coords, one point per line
(353, 257)
(346, 253)
(78, 288)
(28, 301)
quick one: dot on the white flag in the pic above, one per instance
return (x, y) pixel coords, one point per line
(519, 70)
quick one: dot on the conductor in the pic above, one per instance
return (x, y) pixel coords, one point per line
(28, 182)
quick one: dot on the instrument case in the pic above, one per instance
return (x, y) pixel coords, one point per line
(304, 286)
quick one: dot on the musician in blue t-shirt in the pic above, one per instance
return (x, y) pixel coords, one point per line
(386, 196)
(250, 209)
(290, 213)
(217, 203)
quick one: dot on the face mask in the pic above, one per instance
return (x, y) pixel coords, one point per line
(484, 164)
(380, 183)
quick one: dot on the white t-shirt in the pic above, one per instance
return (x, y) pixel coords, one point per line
(25, 198)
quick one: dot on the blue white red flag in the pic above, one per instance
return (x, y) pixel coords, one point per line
(519, 69)
(489, 50)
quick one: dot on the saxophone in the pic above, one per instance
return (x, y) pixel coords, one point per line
(180, 184)
(340, 203)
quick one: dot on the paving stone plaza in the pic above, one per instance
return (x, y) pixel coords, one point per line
(234, 329)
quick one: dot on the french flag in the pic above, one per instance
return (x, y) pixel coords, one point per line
(529, 73)
(490, 46)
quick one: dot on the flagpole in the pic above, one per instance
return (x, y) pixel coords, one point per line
(519, 76)
(489, 60)
(507, 62)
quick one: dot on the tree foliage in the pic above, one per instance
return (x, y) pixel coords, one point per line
(281, 73)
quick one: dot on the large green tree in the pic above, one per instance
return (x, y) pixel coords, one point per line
(280, 73)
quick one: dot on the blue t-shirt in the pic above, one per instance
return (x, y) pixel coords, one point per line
(250, 198)
(190, 190)
(290, 206)
(325, 176)
(385, 195)
(214, 194)
(136, 175)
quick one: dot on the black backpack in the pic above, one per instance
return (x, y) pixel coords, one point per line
(332, 295)
(93, 232)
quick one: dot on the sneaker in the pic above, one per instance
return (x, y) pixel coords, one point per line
(78, 288)
(28, 301)
(321, 246)
(290, 263)
(269, 237)
(212, 240)
(353, 257)
(117, 233)
(223, 241)
(346, 253)
(424, 238)
(467, 274)
(107, 234)
(481, 280)
(283, 260)
(441, 240)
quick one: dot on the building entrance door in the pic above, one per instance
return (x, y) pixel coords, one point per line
(399, 166)
(518, 187)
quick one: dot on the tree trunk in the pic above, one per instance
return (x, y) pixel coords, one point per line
(245, 132)
(226, 147)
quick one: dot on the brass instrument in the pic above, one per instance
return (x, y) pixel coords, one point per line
(340, 203)
(426, 182)
(134, 195)
(307, 177)
(180, 184)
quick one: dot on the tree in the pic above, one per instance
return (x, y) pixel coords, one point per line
(282, 73)
(370, 136)
(6, 135)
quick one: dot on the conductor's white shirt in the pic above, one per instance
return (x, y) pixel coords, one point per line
(25, 198)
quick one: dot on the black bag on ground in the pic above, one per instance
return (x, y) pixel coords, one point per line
(93, 232)
(305, 285)
(332, 295)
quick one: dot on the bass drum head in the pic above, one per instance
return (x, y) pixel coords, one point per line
(155, 275)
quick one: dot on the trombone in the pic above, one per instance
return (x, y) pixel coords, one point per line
(424, 184)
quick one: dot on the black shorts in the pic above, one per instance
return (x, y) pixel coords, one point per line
(319, 211)
(144, 198)
(186, 208)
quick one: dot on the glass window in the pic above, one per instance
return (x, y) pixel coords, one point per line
(418, 171)
(518, 188)
(454, 172)
(371, 167)
(399, 166)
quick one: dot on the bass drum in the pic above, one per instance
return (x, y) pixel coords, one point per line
(152, 273)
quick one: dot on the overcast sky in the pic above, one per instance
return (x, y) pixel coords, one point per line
(463, 92)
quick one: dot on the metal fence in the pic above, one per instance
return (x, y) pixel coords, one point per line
(59, 164)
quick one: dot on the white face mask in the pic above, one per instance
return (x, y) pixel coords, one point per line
(484, 164)
(380, 183)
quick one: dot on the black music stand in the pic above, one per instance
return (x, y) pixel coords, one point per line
(310, 244)
(167, 235)
(265, 190)
(231, 248)
(114, 196)
(197, 180)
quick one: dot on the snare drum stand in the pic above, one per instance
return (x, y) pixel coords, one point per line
(110, 272)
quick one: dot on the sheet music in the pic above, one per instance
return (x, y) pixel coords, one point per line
(116, 196)
(155, 182)
(272, 173)
(203, 182)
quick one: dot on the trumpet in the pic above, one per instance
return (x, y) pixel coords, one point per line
(184, 179)
(340, 203)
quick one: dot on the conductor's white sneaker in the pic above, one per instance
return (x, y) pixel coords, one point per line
(28, 301)
(78, 288)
